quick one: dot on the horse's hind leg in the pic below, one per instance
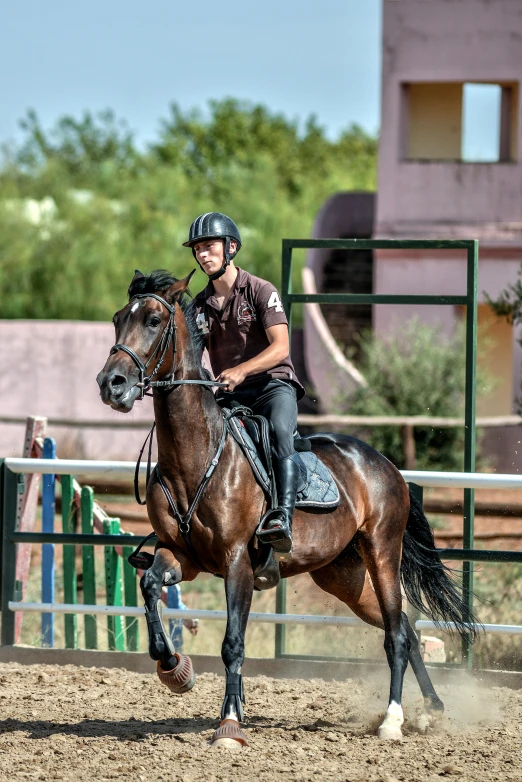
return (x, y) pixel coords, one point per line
(174, 670)
(433, 704)
(348, 580)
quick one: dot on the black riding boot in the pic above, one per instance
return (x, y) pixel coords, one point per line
(277, 527)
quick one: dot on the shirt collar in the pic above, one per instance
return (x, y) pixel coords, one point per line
(240, 282)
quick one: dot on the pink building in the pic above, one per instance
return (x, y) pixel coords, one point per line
(431, 50)
(425, 188)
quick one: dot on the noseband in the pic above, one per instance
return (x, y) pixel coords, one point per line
(169, 334)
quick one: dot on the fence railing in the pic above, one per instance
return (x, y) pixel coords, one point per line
(78, 511)
(406, 424)
(115, 610)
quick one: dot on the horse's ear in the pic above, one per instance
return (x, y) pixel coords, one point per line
(179, 287)
(137, 275)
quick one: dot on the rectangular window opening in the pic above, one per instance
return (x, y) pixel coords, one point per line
(456, 121)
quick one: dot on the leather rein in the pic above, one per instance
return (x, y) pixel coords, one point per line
(144, 384)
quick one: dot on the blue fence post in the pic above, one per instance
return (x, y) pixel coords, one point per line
(175, 625)
(48, 502)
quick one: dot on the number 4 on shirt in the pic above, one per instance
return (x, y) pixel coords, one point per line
(275, 301)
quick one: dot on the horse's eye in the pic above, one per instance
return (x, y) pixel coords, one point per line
(154, 322)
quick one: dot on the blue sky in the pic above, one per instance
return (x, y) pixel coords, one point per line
(295, 56)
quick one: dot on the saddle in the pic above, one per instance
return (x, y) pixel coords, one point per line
(317, 488)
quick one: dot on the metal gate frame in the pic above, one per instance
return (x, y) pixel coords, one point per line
(468, 300)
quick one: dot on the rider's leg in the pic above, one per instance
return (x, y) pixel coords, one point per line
(279, 405)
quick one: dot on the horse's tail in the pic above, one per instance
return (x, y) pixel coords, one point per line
(428, 583)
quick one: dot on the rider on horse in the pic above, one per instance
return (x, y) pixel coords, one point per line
(245, 330)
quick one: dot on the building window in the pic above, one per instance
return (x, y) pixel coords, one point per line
(456, 121)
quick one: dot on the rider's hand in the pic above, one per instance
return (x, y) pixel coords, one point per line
(232, 377)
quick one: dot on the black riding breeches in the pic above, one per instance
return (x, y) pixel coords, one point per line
(276, 400)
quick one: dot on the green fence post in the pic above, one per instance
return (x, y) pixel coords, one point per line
(280, 630)
(131, 599)
(2, 478)
(10, 487)
(286, 281)
(286, 290)
(470, 437)
(114, 590)
(89, 571)
(69, 562)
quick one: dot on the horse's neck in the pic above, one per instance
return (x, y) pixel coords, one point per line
(188, 425)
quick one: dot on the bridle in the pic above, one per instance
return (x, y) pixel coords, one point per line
(169, 335)
(146, 382)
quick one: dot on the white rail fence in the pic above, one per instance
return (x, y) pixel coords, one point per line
(221, 616)
(459, 480)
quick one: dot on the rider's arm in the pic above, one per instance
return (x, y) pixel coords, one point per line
(270, 357)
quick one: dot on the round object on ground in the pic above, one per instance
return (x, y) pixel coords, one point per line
(182, 678)
(229, 735)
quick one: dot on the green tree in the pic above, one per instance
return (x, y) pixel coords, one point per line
(237, 134)
(114, 208)
(80, 146)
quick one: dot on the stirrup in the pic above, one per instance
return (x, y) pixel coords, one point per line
(280, 537)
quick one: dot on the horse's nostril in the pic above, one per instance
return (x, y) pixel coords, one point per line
(117, 380)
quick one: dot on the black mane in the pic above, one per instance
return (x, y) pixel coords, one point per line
(158, 281)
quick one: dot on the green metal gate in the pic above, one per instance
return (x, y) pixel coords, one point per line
(468, 300)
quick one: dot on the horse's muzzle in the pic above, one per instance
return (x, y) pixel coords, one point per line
(117, 391)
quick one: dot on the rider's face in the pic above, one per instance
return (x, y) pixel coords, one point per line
(211, 254)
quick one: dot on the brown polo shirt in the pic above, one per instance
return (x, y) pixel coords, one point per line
(236, 333)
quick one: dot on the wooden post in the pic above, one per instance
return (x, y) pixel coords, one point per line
(408, 447)
(35, 428)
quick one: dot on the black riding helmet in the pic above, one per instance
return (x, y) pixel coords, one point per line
(214, 225)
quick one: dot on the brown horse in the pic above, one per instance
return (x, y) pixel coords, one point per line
(358, 552)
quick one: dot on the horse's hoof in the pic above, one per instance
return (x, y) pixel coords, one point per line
(389, 733)
(182, 678)
(229, 736)
(434, 707)
(390, 728)
(423, 723)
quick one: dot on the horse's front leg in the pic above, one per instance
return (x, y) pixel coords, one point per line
(174, 670)
(239, 587)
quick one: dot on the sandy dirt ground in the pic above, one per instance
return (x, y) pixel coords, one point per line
(80, 724)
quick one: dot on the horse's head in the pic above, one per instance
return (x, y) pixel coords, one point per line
(147, 348)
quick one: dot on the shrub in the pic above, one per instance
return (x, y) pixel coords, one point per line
(415, 370)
